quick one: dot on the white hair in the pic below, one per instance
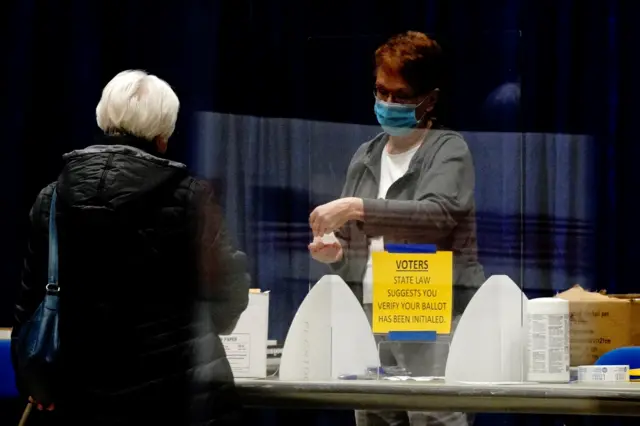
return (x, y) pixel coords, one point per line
(140, 104)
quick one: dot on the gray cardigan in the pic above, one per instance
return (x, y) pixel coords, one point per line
(433, 203)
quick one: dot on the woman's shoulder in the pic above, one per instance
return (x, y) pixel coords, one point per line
(43, 200)
(445, 141)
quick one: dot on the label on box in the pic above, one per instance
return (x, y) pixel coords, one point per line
(238, 349)
(603, 373)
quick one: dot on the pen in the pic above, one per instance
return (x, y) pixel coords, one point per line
(355, 377)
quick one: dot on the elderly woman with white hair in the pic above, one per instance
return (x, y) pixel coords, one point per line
(148, 277)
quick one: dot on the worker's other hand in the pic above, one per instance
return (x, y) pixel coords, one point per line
(331, 216)
(325, 252)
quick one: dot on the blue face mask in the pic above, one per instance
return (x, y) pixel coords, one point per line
(396, 119)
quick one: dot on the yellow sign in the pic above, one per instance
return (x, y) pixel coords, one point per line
(412, 292)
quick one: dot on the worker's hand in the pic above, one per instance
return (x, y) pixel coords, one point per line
(41, 407)
(325, 252)
(331, 216)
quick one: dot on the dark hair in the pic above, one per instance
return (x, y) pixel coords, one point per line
(415, 57)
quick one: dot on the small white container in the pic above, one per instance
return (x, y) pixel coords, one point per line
(603, 374)
(548, 340)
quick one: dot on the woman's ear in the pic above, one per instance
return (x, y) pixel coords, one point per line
(432, 99)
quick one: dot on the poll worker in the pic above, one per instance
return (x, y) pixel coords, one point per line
(148, 276)
(413, 183)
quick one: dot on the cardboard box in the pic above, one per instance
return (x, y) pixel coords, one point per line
(634, 323)
(600, 323)
(246, 347)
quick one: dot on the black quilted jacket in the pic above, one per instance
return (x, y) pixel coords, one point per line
(148, 280)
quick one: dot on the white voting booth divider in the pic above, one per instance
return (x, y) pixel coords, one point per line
(330, 335)
(489, 343)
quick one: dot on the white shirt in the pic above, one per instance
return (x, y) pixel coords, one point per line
(392, 168)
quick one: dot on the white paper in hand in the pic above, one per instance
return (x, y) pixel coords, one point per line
(329, 238)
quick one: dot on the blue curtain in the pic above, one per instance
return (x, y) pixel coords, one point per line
(276, 96)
